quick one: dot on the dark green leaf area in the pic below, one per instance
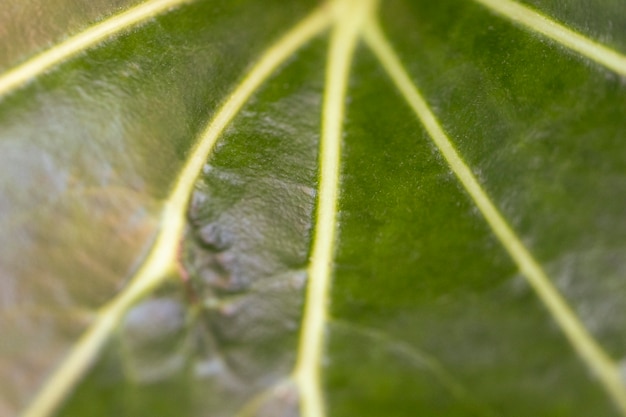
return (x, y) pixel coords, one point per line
(543, 130)
(228, 330)
(87, 153)
(429, 314)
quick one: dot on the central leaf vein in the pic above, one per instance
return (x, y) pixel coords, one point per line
(350, 15)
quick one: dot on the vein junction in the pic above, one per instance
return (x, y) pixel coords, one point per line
(355, 20)
(351, 19)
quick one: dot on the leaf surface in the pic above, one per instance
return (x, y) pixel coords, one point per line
(244, 209)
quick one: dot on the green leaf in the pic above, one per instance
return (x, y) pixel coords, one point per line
(245, 208)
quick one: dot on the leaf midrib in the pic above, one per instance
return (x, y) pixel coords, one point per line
(162, 257)
(350, 17)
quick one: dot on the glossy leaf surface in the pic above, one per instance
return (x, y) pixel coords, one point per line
(244, 208)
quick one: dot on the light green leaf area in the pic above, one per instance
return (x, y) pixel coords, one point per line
(55, 22)
(244, 208)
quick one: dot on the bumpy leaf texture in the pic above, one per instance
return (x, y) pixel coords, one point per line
(281, 208)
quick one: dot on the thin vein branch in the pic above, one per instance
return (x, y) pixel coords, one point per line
(252, 407)
(420, 359)
(161, 260)
(582, 341)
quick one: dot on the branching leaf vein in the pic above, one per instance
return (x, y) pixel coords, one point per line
(161, 260)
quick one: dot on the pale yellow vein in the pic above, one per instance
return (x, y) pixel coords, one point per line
(349, 17)
(588, 349)
(559, 33)
(38, 64)
(161, 260)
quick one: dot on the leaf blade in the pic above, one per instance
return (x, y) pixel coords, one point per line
(587, 347)
(417, 255)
